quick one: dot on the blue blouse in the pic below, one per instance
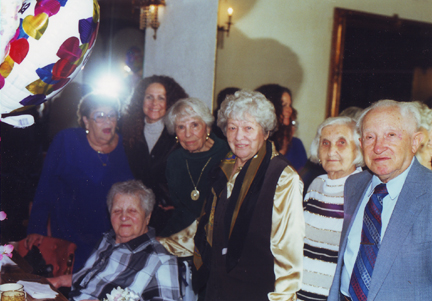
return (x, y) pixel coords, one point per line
(296, 154)
(72, 191)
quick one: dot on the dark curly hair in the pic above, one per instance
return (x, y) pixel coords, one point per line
(133, 120)
(273, 92)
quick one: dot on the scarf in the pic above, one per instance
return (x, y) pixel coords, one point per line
(239, 211)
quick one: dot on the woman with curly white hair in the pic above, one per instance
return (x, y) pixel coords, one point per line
(337, 147)
(249, 242)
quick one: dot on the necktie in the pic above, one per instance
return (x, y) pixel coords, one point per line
(369, 245)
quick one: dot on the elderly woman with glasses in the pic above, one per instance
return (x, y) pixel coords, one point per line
(249, 241)
(337, 147)
(80, 167)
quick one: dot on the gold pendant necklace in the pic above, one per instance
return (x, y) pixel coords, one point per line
(100, 159)
(195, 194)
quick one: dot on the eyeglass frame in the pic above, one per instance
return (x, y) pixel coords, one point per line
(104, 118)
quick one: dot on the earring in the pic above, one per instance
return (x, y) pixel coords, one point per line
(319, 161)
(87, 131)
(208, 136)
(176, 139)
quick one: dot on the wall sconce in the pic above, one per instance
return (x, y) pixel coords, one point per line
(149, 13)
(229, 23)
(222, 29)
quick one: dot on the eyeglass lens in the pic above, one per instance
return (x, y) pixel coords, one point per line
(101, 117)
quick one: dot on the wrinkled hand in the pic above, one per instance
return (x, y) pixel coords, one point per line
(33, 240)
(61, 281)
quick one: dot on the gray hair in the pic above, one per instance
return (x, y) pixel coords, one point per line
(188, 107)
(408, 110)
(353, 112)
(425, 115)
(133, 187)
(341, 120)
(248, 102)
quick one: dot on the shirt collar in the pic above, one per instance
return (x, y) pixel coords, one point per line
(394, 186)
(136, 242)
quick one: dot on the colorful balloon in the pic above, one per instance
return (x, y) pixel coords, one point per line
(9, 22)
(51, 45)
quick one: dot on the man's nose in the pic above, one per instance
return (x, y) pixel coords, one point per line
(379, 145)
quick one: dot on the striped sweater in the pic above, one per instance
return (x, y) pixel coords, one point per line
(323, 212)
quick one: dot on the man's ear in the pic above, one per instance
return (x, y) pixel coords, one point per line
(417, 138)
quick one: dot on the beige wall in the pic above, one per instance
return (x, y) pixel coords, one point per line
(185, 47)
(288, 42)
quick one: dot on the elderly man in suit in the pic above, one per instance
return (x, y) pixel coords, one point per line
(386, 241)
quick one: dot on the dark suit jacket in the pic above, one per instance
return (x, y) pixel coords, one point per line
(403, 269)
(150, 167)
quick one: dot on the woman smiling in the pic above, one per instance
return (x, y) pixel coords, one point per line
(249, 241)
(146, 140)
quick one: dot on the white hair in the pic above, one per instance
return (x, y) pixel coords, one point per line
(408, 110)
(244, 102)
(188, 107)
(425, 115)
(341, 120)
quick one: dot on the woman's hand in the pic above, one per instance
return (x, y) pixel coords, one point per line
(33, 239)
(61, 281)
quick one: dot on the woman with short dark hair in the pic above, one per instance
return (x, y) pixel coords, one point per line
(79, 168)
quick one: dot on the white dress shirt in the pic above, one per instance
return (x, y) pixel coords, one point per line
(394, 187)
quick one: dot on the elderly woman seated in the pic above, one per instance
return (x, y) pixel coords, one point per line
(337, 147)
(129, 255)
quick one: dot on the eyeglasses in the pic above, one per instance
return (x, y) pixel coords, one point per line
(101, 117)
